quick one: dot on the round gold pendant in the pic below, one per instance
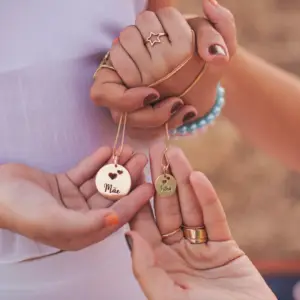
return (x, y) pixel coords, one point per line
(113, 181)
(165, 185)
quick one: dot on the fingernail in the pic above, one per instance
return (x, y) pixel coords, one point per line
(111, 220)
(217, 50)
(176, 106)
(190, 115)
(128, 239)
(150, 99)
(214, 2)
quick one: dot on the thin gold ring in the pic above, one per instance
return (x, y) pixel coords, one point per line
(171, 233)
(154, 38)
(195, 235)
(104, 64)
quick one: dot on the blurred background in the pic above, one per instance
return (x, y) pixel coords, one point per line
(261, 197)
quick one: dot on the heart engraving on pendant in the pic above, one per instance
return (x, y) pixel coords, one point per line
(164, 181)
(120, 172)
(112, 176)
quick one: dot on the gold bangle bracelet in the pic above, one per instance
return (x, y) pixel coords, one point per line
(195, 81)
(179, 67)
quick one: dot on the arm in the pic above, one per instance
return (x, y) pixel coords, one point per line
(264, 103)
(262, 100)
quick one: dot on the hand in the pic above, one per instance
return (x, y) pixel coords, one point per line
(138, 64)
(65, 210)
(173, 268)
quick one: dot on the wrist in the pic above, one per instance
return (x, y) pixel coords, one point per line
(236, 62)
(206, 120)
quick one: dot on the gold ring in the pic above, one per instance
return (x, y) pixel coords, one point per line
(195, 235)
(170, 233)
(105, 63)
(154, 38)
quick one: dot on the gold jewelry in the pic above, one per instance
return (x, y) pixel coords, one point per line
(154, 38)
(113, 181)
(195, 235)
(105, 63)
(164, 236)
(179, 67)
(165, 184)
(195, 81)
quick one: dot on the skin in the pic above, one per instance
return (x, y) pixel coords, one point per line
(255, 91)
(65, 210)
(172, 268)
(138, 66)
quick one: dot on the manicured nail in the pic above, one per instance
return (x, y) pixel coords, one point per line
(214, 2)
(128, 239)
(111, 220)
(190, 115)
(217, 50)
(150, 99)
(175, 108)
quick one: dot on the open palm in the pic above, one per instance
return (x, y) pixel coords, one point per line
(65, 210)
(172, 267)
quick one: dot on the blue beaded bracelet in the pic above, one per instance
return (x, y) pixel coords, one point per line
(207, 119)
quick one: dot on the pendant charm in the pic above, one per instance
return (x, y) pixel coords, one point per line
(113, 181)
(165, 185)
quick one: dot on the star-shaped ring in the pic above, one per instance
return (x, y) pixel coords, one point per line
(154, 38)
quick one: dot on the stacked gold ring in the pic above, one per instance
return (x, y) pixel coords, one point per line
(195, 235)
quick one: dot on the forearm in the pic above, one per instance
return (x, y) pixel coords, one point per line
(264, 103)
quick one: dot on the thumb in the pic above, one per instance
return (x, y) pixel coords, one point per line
(154, 281)
(223, 21)
(78, 223)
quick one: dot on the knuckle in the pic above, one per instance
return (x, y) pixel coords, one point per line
(229, 15)
(169, 12)
(145, 17)
(128, 33)
(96, 95)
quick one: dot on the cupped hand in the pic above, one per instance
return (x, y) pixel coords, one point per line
(138, 64)
(65, 210)
(172, 268)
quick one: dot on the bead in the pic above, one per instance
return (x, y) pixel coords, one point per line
(206, 120)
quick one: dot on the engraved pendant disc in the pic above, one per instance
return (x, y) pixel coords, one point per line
(165, 185)
(113, 181)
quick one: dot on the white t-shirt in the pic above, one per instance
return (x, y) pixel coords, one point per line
(48, 53)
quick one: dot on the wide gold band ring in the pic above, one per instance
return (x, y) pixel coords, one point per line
(164, 236)
(195, 235)
(154, 38)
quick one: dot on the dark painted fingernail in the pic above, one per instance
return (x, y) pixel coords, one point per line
(150, 99)
(217, 50)
(128, 241)
(189, 116)
(176, 106)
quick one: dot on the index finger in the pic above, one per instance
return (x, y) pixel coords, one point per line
(214, 216)
(109, 91)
